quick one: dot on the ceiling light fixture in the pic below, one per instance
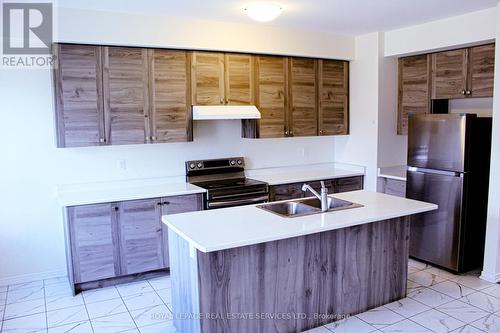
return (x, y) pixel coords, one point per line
(264, 11)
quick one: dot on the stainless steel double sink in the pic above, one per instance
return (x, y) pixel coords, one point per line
(306, 206)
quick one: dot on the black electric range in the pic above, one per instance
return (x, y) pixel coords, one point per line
(225, 182)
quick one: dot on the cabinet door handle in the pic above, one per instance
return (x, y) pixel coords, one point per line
(222, 101)
(159, 203)
(286, 133)
(166, 202)
(153, 138)
(116, 208)
(463, 92)
(102, 140)
(291, 133)
(468, 92)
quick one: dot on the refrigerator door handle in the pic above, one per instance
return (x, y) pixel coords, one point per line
(437, 172)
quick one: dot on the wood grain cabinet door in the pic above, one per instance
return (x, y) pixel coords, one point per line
(169, 81)
(333, 85)
(207, 78)
(78, 91)
(348, 184)
(286, 192)
(141, 243)
(126, 95)
(94, 242)
(414, 79)
(270, 95)
(449, 74)
(481, 70)
(303, 107)
(239, 79)
(177, 205)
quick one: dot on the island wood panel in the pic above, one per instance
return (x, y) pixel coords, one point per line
(414, 88)
(271, 95)
(449, 74)
(176, 205)
(303, 112)
(141, 241)
(239, 79)
(94, 242)
(481, 70)
(126, 94)
(333, 273)
(169, 82)
(207, 78)
(333, 97)
(78, 96)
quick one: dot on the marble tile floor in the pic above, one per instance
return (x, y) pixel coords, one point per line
(437, 302)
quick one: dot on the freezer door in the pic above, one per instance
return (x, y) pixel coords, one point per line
(434, 236)
(438, 141)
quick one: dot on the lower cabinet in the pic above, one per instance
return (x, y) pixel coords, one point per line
(392, 186)
(122, 238)
(294, 190)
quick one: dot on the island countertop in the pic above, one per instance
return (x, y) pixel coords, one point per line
(219, 229)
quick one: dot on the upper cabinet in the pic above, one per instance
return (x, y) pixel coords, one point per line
(449, 74)
(112, 95)
(481, 70)
(463, 73)
(333, 94)
(79, 97)
(455, 74)
(121, 95)
(170, 93)
(126, 95)
(207, 70)
(239, 79)
(414, 88)
(300, 97)
(271, 96)
(219, 78)
(303, 107)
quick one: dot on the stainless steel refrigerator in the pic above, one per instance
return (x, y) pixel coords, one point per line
(448, 164)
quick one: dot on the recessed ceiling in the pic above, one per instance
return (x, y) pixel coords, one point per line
(350, 17)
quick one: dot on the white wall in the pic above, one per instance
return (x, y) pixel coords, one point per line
(454, 32)
(360, 146)
(185, 33)
(31, 232)
(491, 269)
(392, 148)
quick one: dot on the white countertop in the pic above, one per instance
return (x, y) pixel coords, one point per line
(100, 192)
(397, 172)
(92, 193)
(304, 173)
(219, 229)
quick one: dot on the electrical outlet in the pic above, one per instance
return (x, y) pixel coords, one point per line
(121, 164)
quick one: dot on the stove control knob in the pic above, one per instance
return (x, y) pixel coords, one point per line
(191, 166)
(233, 162)
(199, 165)
(240, 162)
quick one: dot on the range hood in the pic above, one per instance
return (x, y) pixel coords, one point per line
(214, 112)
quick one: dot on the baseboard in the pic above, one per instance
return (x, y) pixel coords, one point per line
(490, 277)
(23, 278)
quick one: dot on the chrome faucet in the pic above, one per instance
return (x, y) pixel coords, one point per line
(323, 197)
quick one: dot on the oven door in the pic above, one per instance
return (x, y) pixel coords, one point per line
(233, 201)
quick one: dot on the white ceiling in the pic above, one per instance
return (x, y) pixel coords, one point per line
(351, 17)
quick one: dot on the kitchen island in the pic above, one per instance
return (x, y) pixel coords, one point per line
(243, 269)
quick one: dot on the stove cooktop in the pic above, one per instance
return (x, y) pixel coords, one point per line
(228, 183)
